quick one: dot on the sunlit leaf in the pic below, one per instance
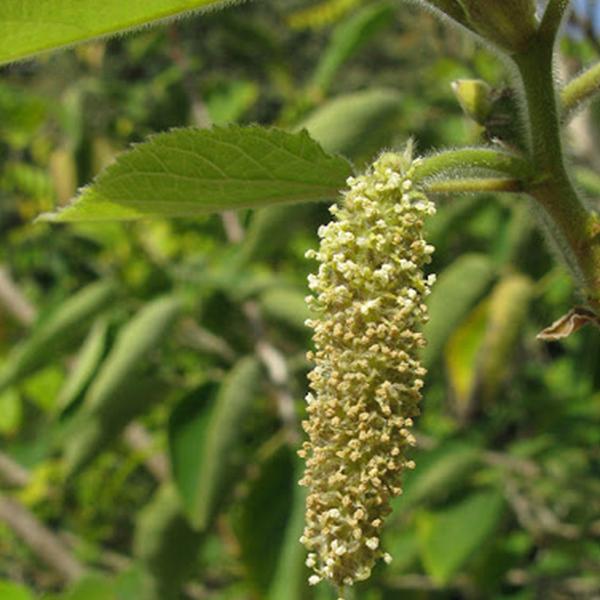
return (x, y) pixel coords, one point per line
(190, 172)
(28, 27)
(456, 291)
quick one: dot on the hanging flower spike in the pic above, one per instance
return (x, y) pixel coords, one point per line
(367, 379)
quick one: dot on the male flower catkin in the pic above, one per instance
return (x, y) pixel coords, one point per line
(367, 379)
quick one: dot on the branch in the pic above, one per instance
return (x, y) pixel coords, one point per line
(138, 438)
(552, 20)
(12, 474)
(579, 91)
(468, 159)
(45, 544)
(474, 185)
(14, 300)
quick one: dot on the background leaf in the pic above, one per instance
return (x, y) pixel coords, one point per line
(451, 299)
(203, 441)
(355, 123)
(449, 538)
(165, 544)
(57, 331)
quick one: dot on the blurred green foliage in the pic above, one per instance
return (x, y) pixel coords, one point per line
(152, 385)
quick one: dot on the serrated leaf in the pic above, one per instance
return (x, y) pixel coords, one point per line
(354, 123)
(57, 332)
(449, 538)
(455, 292)
(203, 436)
(190, 172)
(28, 27)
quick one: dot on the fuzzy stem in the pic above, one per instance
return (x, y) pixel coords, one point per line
(555, 12)
(473, 185)
(580, 90)
(472, 158)
(571, 224)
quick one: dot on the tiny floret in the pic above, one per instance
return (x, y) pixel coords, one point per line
(368, 307)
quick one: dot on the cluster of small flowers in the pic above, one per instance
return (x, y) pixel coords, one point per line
(366, 383)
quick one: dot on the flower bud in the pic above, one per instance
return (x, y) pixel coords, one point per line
(474, 96)
(366, 382)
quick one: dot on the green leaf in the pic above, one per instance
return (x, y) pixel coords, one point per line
(354, 123)
(455, 292)
(479, 353)
(291, 575)
(508, 309)
(118, 393)
(92, 587)
(347, 38)
(145, 332)
(57, 332)
(286, 305)
(189, 172)
(439, 472)
(260, 518)
(203, 437)
(166, 544)
(461, 355)
(88, 359)
(449, 538)
(93, 431)
(28, 27)
(270, 230)
(13, 591)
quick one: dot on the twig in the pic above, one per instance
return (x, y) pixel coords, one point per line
(45, 544)
(140, 440)
(14, 300)
(12, 474)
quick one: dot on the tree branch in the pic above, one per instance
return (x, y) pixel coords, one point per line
(45, 544)
(14, 300)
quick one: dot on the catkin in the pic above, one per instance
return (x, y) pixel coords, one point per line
(368, 307)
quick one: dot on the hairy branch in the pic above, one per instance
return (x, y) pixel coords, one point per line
(473, 185)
